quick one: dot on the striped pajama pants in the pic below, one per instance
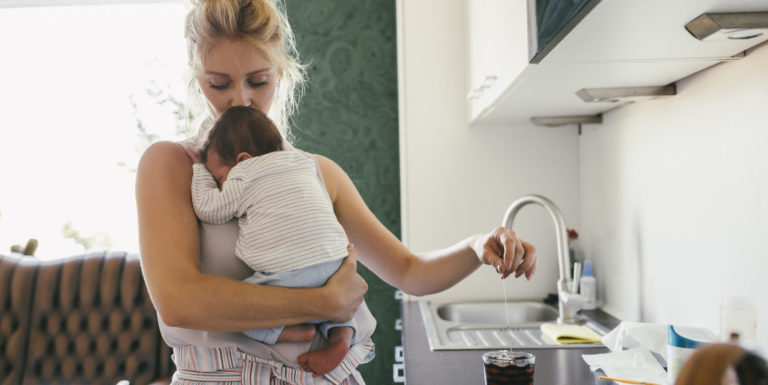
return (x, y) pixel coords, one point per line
(228, 366)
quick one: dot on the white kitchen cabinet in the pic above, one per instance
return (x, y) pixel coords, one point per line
(619, 43)
(499, 53)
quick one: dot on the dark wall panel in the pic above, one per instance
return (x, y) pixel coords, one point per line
(349, 114)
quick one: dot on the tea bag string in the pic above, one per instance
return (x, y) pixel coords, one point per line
(506, 303)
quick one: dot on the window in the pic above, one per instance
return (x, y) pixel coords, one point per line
(85, 89)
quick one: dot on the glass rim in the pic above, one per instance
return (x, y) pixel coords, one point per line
(508, 357)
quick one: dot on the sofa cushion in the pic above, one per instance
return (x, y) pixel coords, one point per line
(17, 275)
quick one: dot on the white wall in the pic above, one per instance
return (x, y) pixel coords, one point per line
(674, 199)
(457, 180)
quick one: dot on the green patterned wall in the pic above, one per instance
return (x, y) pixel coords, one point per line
(349, 114)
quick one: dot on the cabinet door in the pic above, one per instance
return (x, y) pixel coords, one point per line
(498, 49)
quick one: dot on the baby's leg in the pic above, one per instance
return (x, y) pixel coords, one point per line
(324, 360)
(297, 333)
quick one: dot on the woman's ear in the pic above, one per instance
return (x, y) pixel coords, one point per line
(243, 156)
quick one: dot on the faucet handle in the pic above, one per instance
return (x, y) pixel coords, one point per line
(576, 277)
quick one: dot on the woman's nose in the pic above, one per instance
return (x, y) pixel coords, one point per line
(241, 96)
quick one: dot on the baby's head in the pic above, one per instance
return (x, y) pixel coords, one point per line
(238, 134)
(723, 364)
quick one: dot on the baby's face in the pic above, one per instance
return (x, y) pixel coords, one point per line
(217, 167)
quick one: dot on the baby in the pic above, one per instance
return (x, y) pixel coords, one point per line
(289, 234)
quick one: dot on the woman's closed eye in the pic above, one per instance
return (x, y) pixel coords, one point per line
(219, 86)
(258, 81)
(256, 84)
(225, 85)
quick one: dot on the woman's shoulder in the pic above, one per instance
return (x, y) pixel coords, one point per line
(325, 163)
(328, 167)
(166, 160)
(166, 153)
(162, 149)
(333, 175)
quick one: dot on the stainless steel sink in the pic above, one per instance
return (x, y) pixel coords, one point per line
(484, 325)
(495, 312)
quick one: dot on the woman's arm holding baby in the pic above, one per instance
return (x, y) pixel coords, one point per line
(183, 295)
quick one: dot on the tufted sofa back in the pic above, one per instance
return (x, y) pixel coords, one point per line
(81, 320)
(17, 275)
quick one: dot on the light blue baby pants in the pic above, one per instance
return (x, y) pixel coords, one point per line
(312, 276)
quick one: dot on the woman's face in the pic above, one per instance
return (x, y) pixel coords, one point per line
(236, 74)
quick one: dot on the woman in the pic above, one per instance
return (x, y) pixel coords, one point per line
(242, 54)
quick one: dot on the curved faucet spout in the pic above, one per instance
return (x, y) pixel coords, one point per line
(564, 286)
(560, 229)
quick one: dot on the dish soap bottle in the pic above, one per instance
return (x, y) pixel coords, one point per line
(588, 286)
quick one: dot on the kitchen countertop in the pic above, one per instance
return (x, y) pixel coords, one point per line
(464, 367)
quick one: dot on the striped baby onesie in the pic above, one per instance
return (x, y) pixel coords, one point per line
(285, 216)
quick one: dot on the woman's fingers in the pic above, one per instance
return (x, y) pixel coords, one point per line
(530, 261)
(351, 256)
(493, 253)
(529, 273)
(347, 287)
(508, 241)
(509, 254)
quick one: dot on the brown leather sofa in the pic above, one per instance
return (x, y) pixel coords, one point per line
(85, 319)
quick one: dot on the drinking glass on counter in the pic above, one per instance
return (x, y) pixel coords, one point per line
(504, 367)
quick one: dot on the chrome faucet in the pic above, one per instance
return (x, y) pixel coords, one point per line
(569, 301)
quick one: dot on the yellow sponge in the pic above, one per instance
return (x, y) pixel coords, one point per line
(570, 334)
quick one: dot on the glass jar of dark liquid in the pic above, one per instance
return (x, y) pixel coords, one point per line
(504, 367)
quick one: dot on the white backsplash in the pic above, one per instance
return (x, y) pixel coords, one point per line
(674, 198)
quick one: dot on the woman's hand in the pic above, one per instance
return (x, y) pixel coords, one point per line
(345, 289)
(506, 252)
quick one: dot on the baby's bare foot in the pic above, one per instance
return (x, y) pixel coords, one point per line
(297, 333)
(324, 360)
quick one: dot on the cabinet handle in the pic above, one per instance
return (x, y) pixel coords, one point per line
(487, 82)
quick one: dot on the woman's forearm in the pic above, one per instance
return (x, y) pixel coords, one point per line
(501, 248)
(438, 270)
(384, 254)
(215, 303)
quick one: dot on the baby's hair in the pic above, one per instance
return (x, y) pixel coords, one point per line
(242, 129)
(752, 370)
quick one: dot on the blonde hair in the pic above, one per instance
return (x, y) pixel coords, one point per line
(263, 25)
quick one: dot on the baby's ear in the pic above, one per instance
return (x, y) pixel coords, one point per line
(243, 156)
